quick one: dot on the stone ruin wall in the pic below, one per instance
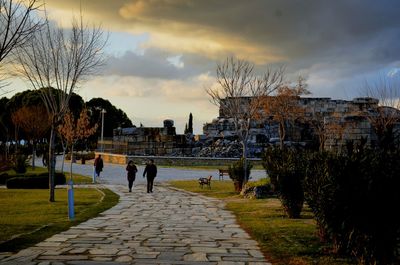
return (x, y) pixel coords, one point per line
(348, 120)
(157, 141)
(345, 120)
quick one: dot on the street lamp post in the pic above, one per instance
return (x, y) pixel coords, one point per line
(103, 111)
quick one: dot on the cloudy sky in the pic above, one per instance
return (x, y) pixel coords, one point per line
(162, 54)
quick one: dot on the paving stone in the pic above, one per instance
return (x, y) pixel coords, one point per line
(209, 250)
(64, 257)
(102, 258)
(103, 251)
(146, 255)
(44, 263)
(124, 258)
(231, 263)
(78, 250)
(196, 257)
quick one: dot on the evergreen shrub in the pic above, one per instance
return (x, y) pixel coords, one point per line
(285, 167)
(355, 200)
(236, 173)
(20, 163)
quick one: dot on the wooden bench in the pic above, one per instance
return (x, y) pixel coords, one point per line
(223, 172)
(205, 181)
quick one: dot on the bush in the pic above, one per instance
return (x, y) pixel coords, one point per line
(40, 181)
(355, 200)
(20, 163)
(4, 177)
(236, 173)
(285, 167)
(257, 189)
(59, 178)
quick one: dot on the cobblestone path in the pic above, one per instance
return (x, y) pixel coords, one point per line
(164, 227)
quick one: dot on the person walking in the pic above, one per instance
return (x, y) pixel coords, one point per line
(98, 165)
(151, 172)
(131, 169)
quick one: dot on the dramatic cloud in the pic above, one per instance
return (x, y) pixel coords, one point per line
(162, 47)
(273, 30)
(155, 63)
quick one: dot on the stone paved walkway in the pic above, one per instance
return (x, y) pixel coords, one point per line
(164, 227)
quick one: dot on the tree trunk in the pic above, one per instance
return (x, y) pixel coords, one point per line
(72, 159)
(52, 162)
(33, 154)
(282, 134)
(63, 155)
(244, 157)
(321, 142)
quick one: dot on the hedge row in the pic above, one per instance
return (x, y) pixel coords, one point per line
(5, 176)
(39, 181)
(354, 197)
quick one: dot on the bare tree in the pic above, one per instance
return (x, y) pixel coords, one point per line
(239, 95)
(318, 125)
(386, 115)
(61, 59)
(284, 106)
(16, 27)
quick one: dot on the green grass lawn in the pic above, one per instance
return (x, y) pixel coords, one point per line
(27, 217)
(219, 189)
(282, 240)
(79, 179)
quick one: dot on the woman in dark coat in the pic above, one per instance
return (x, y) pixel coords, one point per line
(131, 169)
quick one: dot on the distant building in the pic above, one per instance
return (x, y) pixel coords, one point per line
(157, 141)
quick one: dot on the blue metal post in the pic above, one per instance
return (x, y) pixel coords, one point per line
(71, 211)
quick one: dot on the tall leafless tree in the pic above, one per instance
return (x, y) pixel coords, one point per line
(239, 94)
(61, 59)
(387, 114)
(17, 25)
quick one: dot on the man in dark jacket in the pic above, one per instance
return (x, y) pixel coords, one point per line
(151, 172)
(98, 165)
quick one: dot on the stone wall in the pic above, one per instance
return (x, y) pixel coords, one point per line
(344, 120)
(172, 161)
(157, 141)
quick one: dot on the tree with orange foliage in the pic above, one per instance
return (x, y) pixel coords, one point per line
(284, 107)
(74, 130)
(34, 121)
